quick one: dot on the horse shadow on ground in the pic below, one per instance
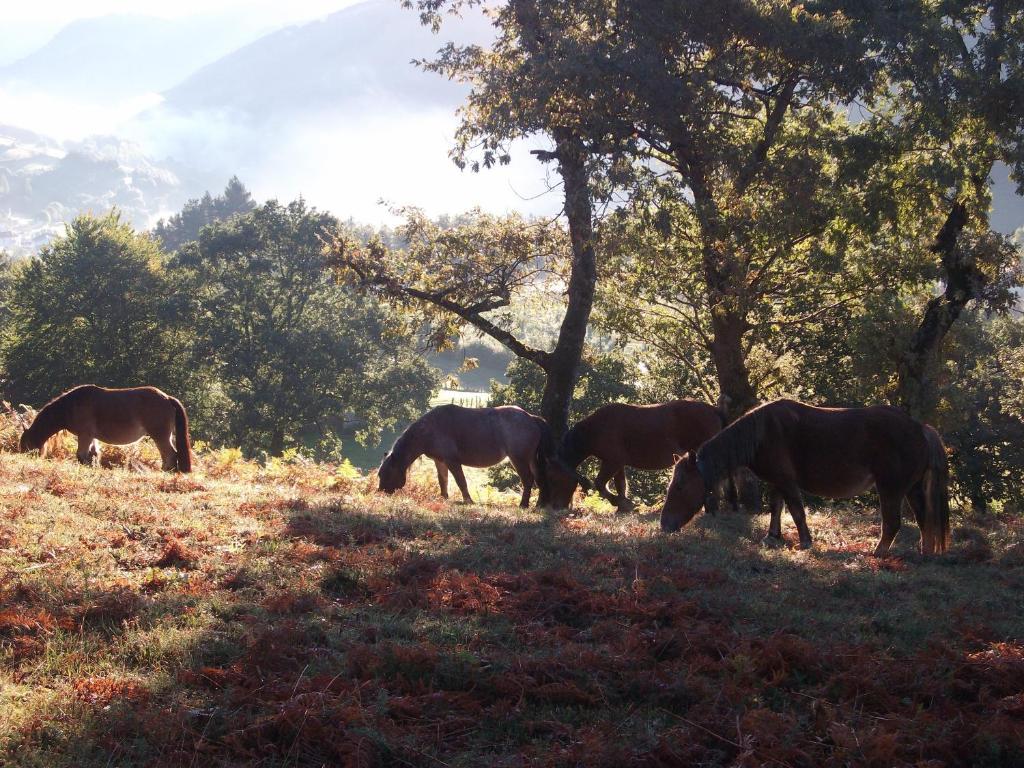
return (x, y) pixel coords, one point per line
(387, 625)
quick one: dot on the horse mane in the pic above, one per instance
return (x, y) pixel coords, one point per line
(43, 426)
(572, 450)
(402, 445)
(733, 447)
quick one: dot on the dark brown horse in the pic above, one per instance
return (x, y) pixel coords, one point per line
(454, 437)
(837, 453)
(621, 435)
(118, 417)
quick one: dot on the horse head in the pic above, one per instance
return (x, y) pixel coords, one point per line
(28, 441)
(390, 476)
(685, 495)
(563, 480)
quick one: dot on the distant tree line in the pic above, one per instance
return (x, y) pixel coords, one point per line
(227, 305)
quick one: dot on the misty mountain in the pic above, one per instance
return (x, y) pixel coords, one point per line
(335, 111)
(359, 56)
(44, 183)
(332, 110)
(121, 56)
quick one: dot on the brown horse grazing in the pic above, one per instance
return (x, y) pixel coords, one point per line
(118, 417)
(454, 436)
(622, 435)
(833, 452)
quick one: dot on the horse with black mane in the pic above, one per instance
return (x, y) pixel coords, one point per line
(837, 453)
(454, 437)
(620, 435)
(115, 416)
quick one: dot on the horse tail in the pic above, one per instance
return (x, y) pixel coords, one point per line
(935, 484)
(182, 441)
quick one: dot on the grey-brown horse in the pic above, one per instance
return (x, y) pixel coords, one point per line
(454, 437)
(115, 416)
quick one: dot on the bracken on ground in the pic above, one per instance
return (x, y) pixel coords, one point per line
(277, 616)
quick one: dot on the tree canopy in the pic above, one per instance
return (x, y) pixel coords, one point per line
(293, 352)
(184, 226)
(96, 307)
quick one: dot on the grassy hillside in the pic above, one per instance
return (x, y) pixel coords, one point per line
(286, 615)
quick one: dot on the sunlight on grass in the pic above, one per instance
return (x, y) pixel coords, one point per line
(289, 611)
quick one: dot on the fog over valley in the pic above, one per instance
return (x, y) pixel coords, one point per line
(143, 113)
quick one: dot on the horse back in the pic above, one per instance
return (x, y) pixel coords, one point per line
(148, 407)
(479, 436)
(645, 436)
(881, 441)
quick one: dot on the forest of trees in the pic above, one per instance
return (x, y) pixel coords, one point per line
(760, 199)
(229, 306)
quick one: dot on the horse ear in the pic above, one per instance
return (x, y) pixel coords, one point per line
(677, 457)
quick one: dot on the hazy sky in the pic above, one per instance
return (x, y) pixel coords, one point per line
(27, 25)
(63, 11)
(324, 158)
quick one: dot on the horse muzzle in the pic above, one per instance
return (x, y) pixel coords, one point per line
(669, 525)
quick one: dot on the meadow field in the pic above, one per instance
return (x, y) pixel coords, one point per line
(287, 615)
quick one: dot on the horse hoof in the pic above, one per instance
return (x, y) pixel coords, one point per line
(773, 542)
(804, 545)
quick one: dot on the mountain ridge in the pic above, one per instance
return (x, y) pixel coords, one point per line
(120, 55)
(333, 60)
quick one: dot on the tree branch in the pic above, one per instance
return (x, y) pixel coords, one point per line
(771, 130)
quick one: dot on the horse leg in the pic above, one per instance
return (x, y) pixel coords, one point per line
(774, 536)
(168, 454)
(87, 449)
(543, 502)
(442, 477)
(891, 507)
(795, 504)
(625, 504)
(460, 480)
(526, 475)
(601, 483)
(524, 502)
(918, 503)
(725, 492)
(733, 494)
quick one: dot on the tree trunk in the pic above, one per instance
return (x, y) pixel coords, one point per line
(726, 286)
(917, 393)
(562, 365)
(277, 441)
(736, 395)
